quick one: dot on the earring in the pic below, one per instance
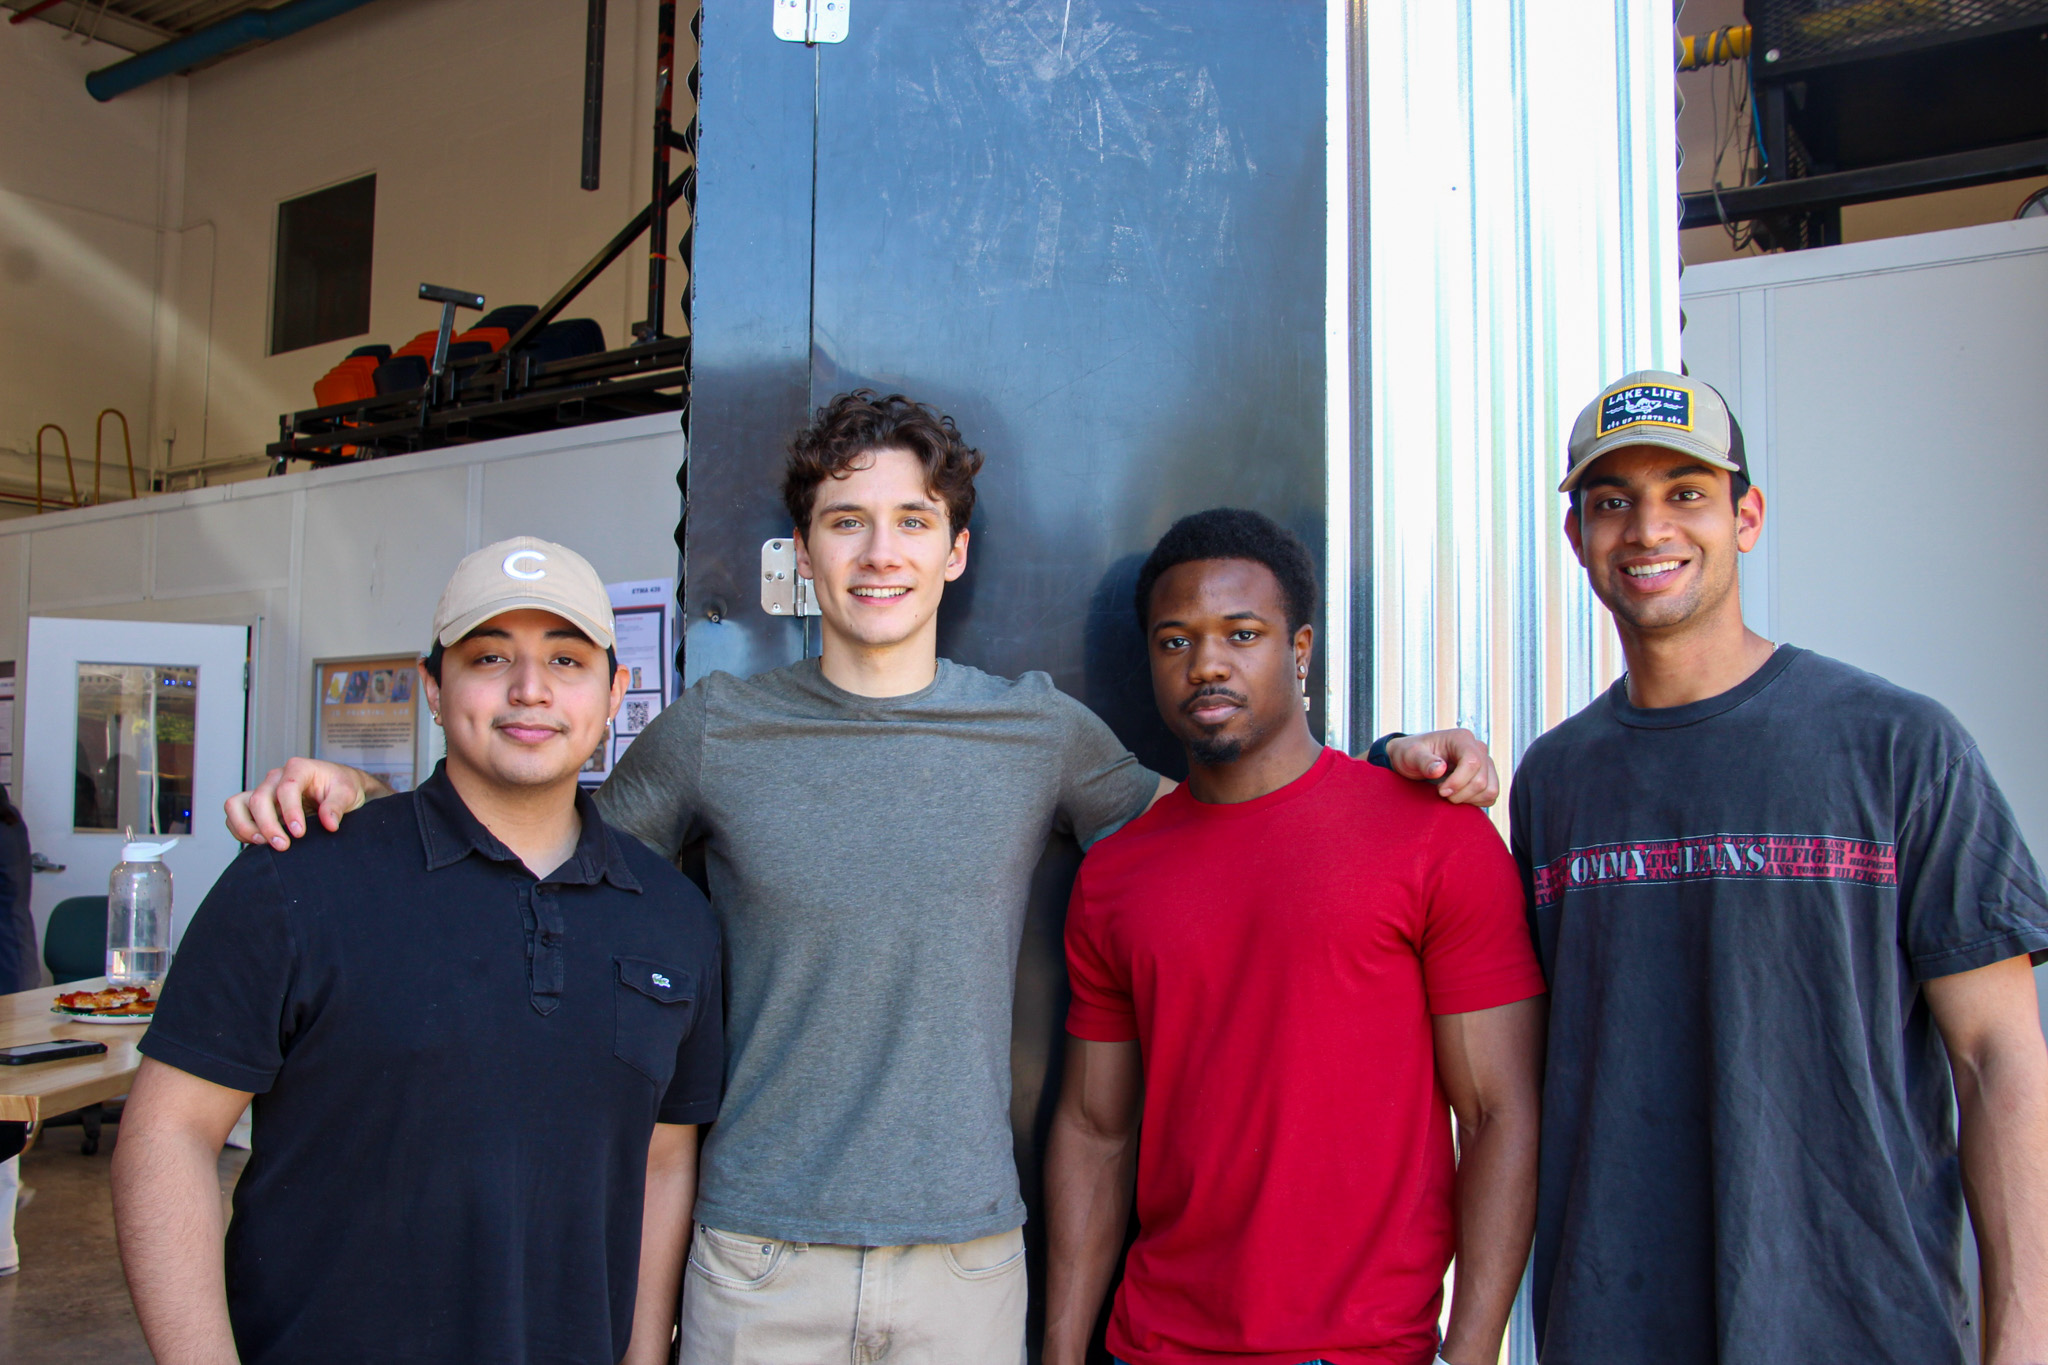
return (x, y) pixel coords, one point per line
(436, 715)
(1303, 673)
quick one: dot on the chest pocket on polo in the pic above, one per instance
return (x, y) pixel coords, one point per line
(655, 1006)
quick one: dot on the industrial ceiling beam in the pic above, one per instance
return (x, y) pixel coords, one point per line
(240, 30)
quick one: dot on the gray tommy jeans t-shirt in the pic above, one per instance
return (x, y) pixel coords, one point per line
(870, 862)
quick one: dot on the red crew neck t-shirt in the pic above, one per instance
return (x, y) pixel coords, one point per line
(1278, 961)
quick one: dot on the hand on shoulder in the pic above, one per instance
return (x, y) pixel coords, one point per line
(275, 811)
(1456, 760)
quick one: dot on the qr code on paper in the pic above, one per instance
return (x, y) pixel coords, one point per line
(634, 715)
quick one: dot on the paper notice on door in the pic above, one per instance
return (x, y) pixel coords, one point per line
(6, 722)
(366, 714)
(642, 617)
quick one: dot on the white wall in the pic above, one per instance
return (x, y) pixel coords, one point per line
(470, 114)
(82, 186)
(346, 561)
(1892, 397)
(136, 236)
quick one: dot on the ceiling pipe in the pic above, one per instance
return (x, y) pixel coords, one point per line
(23, 16)
(250, 26)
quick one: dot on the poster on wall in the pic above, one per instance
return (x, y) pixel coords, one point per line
(366, 714)
(642, 615)
(6, 722)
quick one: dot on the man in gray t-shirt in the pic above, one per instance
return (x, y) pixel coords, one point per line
(870, 820)
(871, 958)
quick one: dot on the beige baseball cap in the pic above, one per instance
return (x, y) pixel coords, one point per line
(520, 573)
(1656, 408)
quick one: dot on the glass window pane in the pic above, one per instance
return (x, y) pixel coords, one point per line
(322, 280)
(135, 733)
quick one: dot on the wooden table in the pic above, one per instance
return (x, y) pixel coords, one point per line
(42, 1089)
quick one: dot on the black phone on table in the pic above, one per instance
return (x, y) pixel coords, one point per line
(55, 1050)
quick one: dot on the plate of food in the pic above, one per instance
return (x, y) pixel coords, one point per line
(115, 1005)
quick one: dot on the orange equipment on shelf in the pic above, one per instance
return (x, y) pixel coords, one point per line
(347, 381)
(494, 337)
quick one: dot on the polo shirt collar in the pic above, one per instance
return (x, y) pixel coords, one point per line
(449, 833)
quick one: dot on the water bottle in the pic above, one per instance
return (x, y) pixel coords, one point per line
(139, 916)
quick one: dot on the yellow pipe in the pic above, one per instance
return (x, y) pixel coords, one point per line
(98, 427)
(69, 473)
(1726, 44)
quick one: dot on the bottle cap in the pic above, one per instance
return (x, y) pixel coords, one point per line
(146, 853)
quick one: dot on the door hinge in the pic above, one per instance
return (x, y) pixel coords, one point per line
(783, 591)
(811, 21)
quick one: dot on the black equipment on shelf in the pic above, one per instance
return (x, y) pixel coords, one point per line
(1862, 100)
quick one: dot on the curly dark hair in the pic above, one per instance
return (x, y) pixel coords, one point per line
(857, 423)
(1234, 533)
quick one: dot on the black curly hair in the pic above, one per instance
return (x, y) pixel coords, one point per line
(1234, 533)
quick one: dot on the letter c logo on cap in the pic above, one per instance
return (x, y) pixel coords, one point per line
(512, 569)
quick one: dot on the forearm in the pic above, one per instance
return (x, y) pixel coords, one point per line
(1496, 1219)
(664, 1245)
(370, 785)
(2003, 1111)
(167, 1211)
(1088, 1180)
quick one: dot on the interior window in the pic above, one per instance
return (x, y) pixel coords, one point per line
(135, 729)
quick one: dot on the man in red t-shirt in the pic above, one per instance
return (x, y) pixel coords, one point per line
(1293, 968)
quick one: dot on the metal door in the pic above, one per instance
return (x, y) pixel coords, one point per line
(131, 724)
(1093, 232)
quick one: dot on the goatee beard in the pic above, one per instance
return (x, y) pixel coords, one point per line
(1211, 753)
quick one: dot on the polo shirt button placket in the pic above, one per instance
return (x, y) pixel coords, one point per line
(544, 964)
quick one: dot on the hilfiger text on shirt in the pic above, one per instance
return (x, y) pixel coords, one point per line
(1711, 857)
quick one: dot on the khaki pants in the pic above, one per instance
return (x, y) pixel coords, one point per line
(760, 1301)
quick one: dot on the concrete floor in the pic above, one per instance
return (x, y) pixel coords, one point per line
(69, 1304)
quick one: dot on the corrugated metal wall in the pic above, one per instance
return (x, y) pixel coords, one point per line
(1515, 179)
(1503, 199)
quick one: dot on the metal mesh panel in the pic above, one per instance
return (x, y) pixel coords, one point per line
(1801, 30)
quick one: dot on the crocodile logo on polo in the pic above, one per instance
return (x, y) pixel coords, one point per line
(660, 980)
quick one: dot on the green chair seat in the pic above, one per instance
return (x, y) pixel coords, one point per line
(75, 940)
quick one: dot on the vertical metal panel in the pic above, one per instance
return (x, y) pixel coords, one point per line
(750, 321)
(1092, 230)
(1523, 252)
(1515, 186)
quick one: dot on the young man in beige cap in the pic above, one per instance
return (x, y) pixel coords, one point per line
(480, 1029)
(1786, 918)
(871, 820)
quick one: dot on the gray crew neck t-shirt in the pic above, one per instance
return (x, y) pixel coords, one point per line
(870, 863)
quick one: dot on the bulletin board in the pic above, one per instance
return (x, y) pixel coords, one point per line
(366, 714)
(643, 616)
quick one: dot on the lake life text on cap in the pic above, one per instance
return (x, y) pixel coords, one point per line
(1656, 408)
(524, 573)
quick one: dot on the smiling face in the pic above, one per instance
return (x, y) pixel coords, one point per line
(523, 699)
(879, 552)
(1226, 670)
(1659, 533)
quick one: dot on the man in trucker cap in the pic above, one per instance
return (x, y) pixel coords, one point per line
(1787, 920)
(480, 1029)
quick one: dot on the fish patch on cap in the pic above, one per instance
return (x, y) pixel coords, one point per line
(1646, 405)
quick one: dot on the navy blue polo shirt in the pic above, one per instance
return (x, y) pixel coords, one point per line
(457, 1068)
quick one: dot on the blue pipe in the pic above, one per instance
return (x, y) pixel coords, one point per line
(250, 26)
